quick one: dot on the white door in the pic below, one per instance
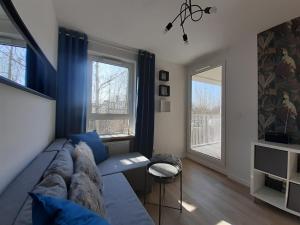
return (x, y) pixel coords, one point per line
(206, 137)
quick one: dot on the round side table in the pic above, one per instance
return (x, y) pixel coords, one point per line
(164, 173)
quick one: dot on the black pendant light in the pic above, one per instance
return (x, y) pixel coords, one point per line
(189, 10)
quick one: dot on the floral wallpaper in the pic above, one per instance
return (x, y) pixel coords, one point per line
(279, 80)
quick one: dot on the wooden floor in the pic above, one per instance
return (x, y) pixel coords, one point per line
(210, 198)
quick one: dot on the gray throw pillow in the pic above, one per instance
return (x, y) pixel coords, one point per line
(84, 192)
(53, 185)
(83, 148)
(68, 146)
(84, 164)
(62, 165)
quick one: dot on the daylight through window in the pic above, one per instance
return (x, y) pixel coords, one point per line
(111, 102)
(13, 63)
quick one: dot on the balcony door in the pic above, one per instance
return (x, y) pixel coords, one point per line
(206, 124)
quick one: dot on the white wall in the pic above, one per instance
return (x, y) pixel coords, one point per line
(170, 127)
(241, 103)
(241, 108)
(40, 19)
(27, 124)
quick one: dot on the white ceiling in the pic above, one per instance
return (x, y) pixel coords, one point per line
(140, 23)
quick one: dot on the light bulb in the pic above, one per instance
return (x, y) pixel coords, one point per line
(210, 10)
(185, 39)
(213, 10)
(168, 27)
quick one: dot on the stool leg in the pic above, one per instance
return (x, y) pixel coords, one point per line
(164, 192)
(181, 192)
(159, 213)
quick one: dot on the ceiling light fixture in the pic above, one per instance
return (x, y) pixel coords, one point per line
(189, 10)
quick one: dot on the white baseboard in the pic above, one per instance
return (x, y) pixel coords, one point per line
(238, 179)
(219, 169)
(209, 164)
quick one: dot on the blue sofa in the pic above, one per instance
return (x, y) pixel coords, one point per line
(122, 174)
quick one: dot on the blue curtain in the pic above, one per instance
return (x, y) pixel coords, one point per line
(144, 129)
(39, 75)
(71, 103)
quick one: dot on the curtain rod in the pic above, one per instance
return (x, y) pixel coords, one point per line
(116, 46)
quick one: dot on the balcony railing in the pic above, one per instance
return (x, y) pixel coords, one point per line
(205, 129)
(119, 107)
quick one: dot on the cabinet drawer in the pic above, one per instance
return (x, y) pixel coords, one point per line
(294, 197)
(271, 161)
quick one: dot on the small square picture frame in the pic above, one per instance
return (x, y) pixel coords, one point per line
(164, 90)
(165, 105)
(163, 75)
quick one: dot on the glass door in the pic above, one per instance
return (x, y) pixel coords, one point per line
(206, 114)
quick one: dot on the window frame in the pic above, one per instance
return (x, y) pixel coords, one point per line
(131, 91)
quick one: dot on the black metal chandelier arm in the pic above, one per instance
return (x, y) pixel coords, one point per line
(193, 12)
(181, 11)
(189, 10)
(202, 13)
(182, 17)
(185, 10)
(182, 27)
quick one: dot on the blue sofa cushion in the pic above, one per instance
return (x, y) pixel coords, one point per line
(55, 211)
(94, 142)
(122, 163)
(122, 205)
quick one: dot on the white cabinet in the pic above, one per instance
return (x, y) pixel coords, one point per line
(280, 162)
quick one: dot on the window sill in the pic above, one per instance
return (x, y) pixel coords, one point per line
(118, 137)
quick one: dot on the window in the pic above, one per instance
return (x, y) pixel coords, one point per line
(111, 97)
(13, 63)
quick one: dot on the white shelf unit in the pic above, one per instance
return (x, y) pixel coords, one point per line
(293, 167)
(279, 161)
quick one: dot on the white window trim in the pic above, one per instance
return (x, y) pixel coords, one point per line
(131, 90)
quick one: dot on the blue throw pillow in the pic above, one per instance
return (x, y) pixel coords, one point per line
(54, 211)
(94, 142)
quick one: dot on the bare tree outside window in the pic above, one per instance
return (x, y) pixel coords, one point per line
(109, 103)
(109, 89)
(13, 63)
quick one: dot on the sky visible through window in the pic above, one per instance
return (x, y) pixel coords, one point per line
(13, 63)
(206, 96)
